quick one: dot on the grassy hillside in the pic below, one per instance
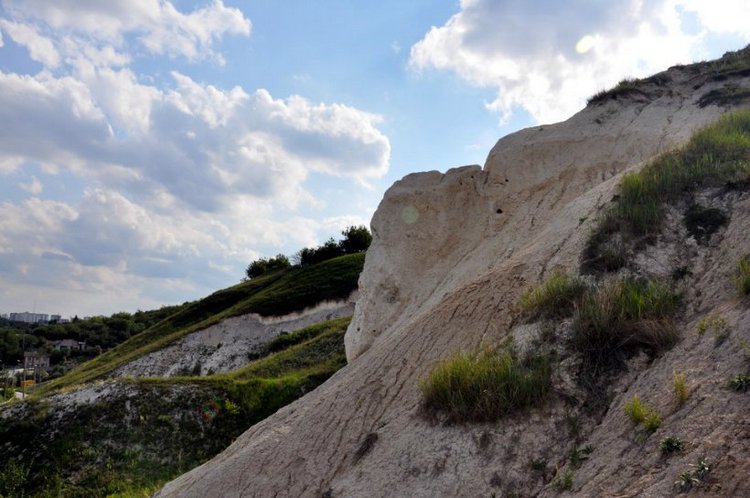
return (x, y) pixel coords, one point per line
(147, 431)
(277, 293)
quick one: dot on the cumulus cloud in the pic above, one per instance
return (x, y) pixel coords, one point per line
(41, 49)
(546, 58)
(155, 24)
(172, 179)
(197, 142)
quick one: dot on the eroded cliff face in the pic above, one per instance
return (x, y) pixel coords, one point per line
(452, 252)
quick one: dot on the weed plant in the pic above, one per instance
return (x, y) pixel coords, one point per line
(680, 387)
(641, 414)
(484, 385)
(740, 382)
(554, 298)
(670, 445)
(564, 481)
(743, 276)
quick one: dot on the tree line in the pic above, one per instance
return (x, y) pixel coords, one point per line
(355, 239)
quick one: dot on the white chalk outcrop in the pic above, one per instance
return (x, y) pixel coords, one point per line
(229, 344)
(451, 254)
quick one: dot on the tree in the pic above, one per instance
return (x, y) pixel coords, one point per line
(265, 265)
(356, 239)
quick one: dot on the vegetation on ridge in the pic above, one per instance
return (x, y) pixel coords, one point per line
(149, 430)
(715, 155)
(273, 294)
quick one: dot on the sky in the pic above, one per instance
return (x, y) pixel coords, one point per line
(150, 149)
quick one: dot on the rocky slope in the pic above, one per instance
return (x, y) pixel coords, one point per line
(452, 253)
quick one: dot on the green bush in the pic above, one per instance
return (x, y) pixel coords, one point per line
(486, 384)
(553, 298)
(621, 316)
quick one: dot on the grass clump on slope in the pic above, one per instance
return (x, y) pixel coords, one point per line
(484, 385)
(622, 316)
(554, 298)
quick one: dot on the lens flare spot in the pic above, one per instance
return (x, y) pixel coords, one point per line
(410, 215)
(585, 44)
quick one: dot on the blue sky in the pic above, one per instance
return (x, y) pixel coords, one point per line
(150, 149)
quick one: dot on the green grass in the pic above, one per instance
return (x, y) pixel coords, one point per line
(715, 155)
(641, 414)
(554, 298)
(623, 88)
(680, 387)
(622, 316)
(485, 385)
(170, 426)
(743, 276)
(277, 293)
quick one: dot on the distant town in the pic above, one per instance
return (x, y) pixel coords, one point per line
(26, 317)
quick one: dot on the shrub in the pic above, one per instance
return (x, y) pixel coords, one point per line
(621, 316)
(671, 444)
(680, 387)
(485, 385)
(743, 276)
(553, 298)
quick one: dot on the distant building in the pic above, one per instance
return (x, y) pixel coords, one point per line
(27, 317)
(69, 344)
(35, 359)
(55, 318)
(4, 315)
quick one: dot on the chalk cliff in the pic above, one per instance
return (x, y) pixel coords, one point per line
(451, 255)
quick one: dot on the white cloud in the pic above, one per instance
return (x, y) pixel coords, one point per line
(156, 24)
(533, 53)
(181, 181)
(41, 49)
(33, 187)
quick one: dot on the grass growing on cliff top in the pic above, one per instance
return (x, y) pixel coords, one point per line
(715, 155)
(275, 294)
(484, 385)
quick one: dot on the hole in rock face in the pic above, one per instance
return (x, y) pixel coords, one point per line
(499, 211)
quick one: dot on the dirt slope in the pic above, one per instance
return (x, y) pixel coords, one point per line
(451, 255)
